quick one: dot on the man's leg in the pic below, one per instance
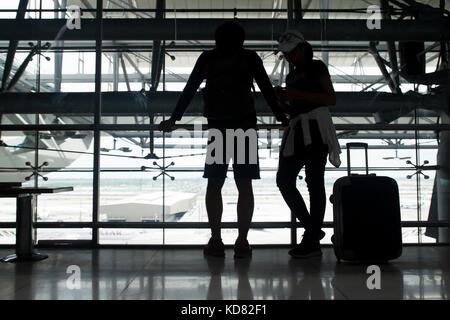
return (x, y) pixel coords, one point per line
(245, 206)
(214, 206)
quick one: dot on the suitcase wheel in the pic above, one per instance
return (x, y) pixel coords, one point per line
(331, 198)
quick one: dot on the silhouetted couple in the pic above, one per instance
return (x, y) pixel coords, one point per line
(229, 106)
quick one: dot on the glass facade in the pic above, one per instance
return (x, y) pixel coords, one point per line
(134, 185)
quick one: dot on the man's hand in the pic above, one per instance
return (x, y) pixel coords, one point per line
(166, 125)
(285, 123)
(285, 107)
(277, 89)
(287, 94)
(281, 103)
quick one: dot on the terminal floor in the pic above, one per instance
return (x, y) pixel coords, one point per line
(422, 272)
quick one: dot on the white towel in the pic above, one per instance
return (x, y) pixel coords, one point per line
(327, 132)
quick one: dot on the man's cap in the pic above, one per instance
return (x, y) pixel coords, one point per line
(289, 40)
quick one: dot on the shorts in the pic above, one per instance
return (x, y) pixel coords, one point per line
(236, 145)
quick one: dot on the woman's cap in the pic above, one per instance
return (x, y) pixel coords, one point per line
(289, 40)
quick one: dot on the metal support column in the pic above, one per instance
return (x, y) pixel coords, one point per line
(385, 9)
(59, 44)
(116, 71)
(324, 5)
(124, 70)
(380, 62)
(158, 50)
(157, 63)
(115, 60)
(13, 46)
(444, 44)
(290, 16)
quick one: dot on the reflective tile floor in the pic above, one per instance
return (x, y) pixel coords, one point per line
(422, 272)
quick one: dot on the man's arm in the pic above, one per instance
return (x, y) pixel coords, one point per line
(263, 81)
(194, 81)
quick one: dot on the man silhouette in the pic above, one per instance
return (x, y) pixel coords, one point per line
(229, 70)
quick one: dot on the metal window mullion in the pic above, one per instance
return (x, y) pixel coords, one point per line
(97, 114)
(37, 138)
(290, 22)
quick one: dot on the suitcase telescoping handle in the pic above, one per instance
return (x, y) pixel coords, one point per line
(358, 145)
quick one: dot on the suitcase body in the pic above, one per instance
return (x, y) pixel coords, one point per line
(366, 213)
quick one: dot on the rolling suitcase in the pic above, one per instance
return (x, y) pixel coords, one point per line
(366, 213)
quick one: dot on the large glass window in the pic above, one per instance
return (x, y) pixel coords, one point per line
(134, 185)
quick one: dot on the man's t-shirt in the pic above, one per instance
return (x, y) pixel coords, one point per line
(257, 72)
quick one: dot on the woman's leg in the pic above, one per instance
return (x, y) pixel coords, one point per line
(315, 172)
(288, 169)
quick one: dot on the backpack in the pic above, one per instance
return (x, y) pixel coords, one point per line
(228, 90)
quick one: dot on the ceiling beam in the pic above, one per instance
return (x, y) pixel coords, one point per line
(182, 78)
(133, 103)
(203, 29)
